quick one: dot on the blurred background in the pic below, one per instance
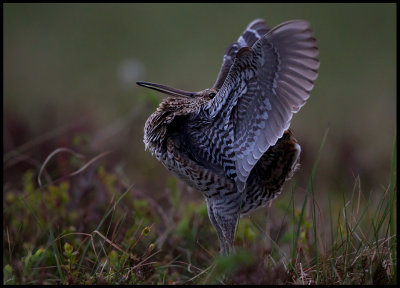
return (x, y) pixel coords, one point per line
(71, 69)
(69, 82)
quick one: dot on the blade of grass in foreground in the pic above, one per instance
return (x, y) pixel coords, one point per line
(101, 223)
(392, 219)
(57, 255)
(314, 169)
(314, 218)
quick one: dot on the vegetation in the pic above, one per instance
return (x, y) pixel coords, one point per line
(95, 228)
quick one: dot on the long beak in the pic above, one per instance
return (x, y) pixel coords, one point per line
(167, 90)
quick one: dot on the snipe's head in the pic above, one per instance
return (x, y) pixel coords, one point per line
(180, 103)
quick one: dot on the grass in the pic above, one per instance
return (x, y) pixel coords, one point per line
(95, 227)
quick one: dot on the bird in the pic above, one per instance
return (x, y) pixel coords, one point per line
(232, 142)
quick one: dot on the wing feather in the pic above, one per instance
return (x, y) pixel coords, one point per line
(253, 32)
(265, 85)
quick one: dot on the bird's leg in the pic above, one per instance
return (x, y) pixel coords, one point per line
(228, 223)
(214, 222)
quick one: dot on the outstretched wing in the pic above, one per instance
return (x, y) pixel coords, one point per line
(266, 84)
(253, 32)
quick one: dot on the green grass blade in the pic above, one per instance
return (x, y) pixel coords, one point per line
(314, 169)
(392, 200)
(56, 254)
(315, 230)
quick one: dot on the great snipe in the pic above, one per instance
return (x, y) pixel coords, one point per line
(231, 142)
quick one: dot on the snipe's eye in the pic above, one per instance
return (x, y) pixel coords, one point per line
(212, 95)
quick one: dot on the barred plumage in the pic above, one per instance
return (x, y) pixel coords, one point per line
(232, 142)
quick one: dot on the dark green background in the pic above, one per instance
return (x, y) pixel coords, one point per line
(62, 63)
